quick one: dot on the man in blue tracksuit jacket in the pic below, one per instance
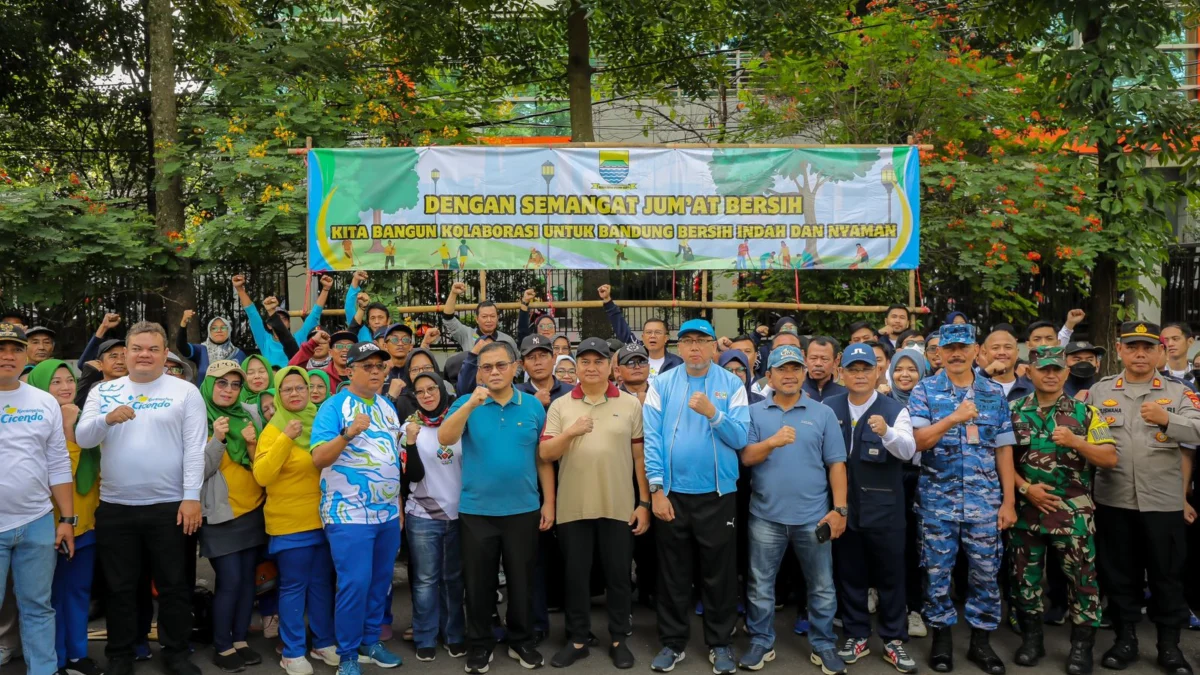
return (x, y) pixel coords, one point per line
(694, 422)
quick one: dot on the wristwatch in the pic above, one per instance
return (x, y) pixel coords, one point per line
(841, 511)
(654, 487)
(69, 520)
(646, 505)
(346, 436)
(1024, 489)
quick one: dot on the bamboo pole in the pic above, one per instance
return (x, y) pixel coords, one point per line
(704, 289)
(912, 297)
(923, 146)
(482, 285)
(687, 304)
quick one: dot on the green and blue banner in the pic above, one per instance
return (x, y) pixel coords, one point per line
(640, 208)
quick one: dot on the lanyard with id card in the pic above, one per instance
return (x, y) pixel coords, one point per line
(972, 429)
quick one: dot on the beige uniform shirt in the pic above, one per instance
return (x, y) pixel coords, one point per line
(595, 474)
(1149, 471)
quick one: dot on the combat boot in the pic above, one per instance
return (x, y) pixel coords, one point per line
(1124, 650)
(941, 656)
(1033, 646)
(981, 653)
(1083, 639)
(1169, 656)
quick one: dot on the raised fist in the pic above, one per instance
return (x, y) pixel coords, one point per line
(479, 395)
(270, 303)
(249, 436)
(239, 281)
(361, 423)
(605, 292)
(220, 428)
(700, 403)
(458, 288)
(326, 282)
(528, 296)
(582, 425)
(293, 429)
(359, 277)
(785, 436)
(188, 315)
(110, 321)
(363, 300)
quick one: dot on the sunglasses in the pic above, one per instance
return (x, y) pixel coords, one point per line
(227, 384)
(397, 340)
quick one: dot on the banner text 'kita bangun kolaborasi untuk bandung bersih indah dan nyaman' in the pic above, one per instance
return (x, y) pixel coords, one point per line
(639, 208)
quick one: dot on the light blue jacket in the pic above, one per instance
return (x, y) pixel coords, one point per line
(271, 348)
(667, 403)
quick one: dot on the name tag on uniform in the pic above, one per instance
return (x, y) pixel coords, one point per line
(973, 434)
(874, 452)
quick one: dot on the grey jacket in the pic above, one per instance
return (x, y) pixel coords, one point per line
(466, 336)
(214, 495)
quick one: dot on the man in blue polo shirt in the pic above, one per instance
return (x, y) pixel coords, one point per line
(500, 428)
(792, 442)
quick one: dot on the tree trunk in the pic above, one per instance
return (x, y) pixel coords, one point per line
(1102, 315)
(179, 291)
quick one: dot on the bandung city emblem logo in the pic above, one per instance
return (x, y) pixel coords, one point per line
(614, 165)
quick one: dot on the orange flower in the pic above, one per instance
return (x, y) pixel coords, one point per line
(1033, 255)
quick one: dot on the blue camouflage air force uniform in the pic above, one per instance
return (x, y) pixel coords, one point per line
(959, 498)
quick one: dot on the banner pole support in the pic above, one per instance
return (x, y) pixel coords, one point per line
(482, 285)
(912, 297)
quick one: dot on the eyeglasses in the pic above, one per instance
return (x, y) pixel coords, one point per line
(495, 367)
(397, 340)
(227, 384)
(294, 390)
(174, 370)
(219, 329)
(420, 369)
(317, 386)
(343, 346)
(695, 342)
(654, 333)
(427, 391)
(563, 372)
(373, 367)
(636, 363)
(737, 370)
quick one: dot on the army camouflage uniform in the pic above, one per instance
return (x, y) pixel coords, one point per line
(959, 498)
(1070, 529)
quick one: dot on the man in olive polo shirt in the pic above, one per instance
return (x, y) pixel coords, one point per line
(595, 435)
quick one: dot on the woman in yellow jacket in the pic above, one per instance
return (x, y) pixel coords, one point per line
(284, 466)
(72, 589)
(232, 502)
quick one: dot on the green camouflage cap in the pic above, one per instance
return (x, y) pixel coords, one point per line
(1048, 357)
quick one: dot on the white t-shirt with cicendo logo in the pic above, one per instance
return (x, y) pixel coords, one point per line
(34, 454)
(156, 457)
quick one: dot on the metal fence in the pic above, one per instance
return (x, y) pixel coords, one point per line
(1181, 295)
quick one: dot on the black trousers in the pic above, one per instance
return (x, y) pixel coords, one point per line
(484, 539)
(703, 531)
(124, 534)
(1133, 547)
(866, 559)
(611, 541)
(914, 575)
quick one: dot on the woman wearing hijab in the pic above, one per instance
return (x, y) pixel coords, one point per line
(907, 369)
(72, 589)
(420, 361)
(216, 346)
(318, 386)
(257, 373)
(232, 501)
(434, 472)
(283, 465)
(564, 370)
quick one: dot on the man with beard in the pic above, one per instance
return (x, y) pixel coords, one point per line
(1140, 525)
(1083, 361)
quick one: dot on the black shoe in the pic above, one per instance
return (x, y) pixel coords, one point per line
(478, 660)
(84, 666)
(456, 650)
(1033, 646)
(1169, 656)
(539, 636)
(621, 656)
(941, 656)
(179, 664)
(251, 657)
(1124, 650)
(1083, 639)
(527, 656)
(426, 653)
(568, 655)
(230, 663)
(120, 666)
(981, 653)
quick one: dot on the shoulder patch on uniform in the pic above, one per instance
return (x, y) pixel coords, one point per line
(1191, 396)
(1163, 401)
(1110, 402)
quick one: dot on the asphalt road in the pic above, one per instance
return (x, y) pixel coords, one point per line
(792, 650)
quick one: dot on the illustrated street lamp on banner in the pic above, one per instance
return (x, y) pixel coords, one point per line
(434, 175)
(887, 176)
(548, 175)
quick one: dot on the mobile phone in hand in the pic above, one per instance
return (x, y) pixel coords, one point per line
(63, 548)
(823, 533)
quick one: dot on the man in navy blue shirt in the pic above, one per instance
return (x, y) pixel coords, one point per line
(820, 358)
(792, 441)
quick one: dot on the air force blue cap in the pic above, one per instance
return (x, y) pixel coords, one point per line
(697, 326)
(859, 353)
(785, 354)
(956, 334)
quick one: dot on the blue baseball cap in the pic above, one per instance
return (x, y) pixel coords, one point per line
(859, 353)
(956, 334)
(697, 326)
(785, 354)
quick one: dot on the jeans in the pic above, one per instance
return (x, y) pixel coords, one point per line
(437, 581)
(768, 541)
(233, 601)
(364, 557)
(29, 551)
(71, 598)
(305, 584)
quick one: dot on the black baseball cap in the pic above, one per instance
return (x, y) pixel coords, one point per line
(633, 351)
(107, 345)
(363, 351)
(1084, 346)
(11, 332)
(595, 345)
(534, 342)
(40, 330)
(342, 335)
(397, 326)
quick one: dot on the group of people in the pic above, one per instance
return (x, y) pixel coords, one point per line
(882, 470)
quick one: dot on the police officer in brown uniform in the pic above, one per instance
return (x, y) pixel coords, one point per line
(1140, 528)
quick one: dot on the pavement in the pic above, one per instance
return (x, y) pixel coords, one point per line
(792, 651)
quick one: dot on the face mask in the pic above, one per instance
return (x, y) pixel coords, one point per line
(1083, 370)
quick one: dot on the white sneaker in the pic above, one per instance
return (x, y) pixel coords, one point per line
(916, 625)
(872, 600)
(837, 621)
(327, 654)
(271, 626)
(296, 666)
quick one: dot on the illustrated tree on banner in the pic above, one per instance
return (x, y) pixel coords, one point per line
(749, 171)
(394, 188)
